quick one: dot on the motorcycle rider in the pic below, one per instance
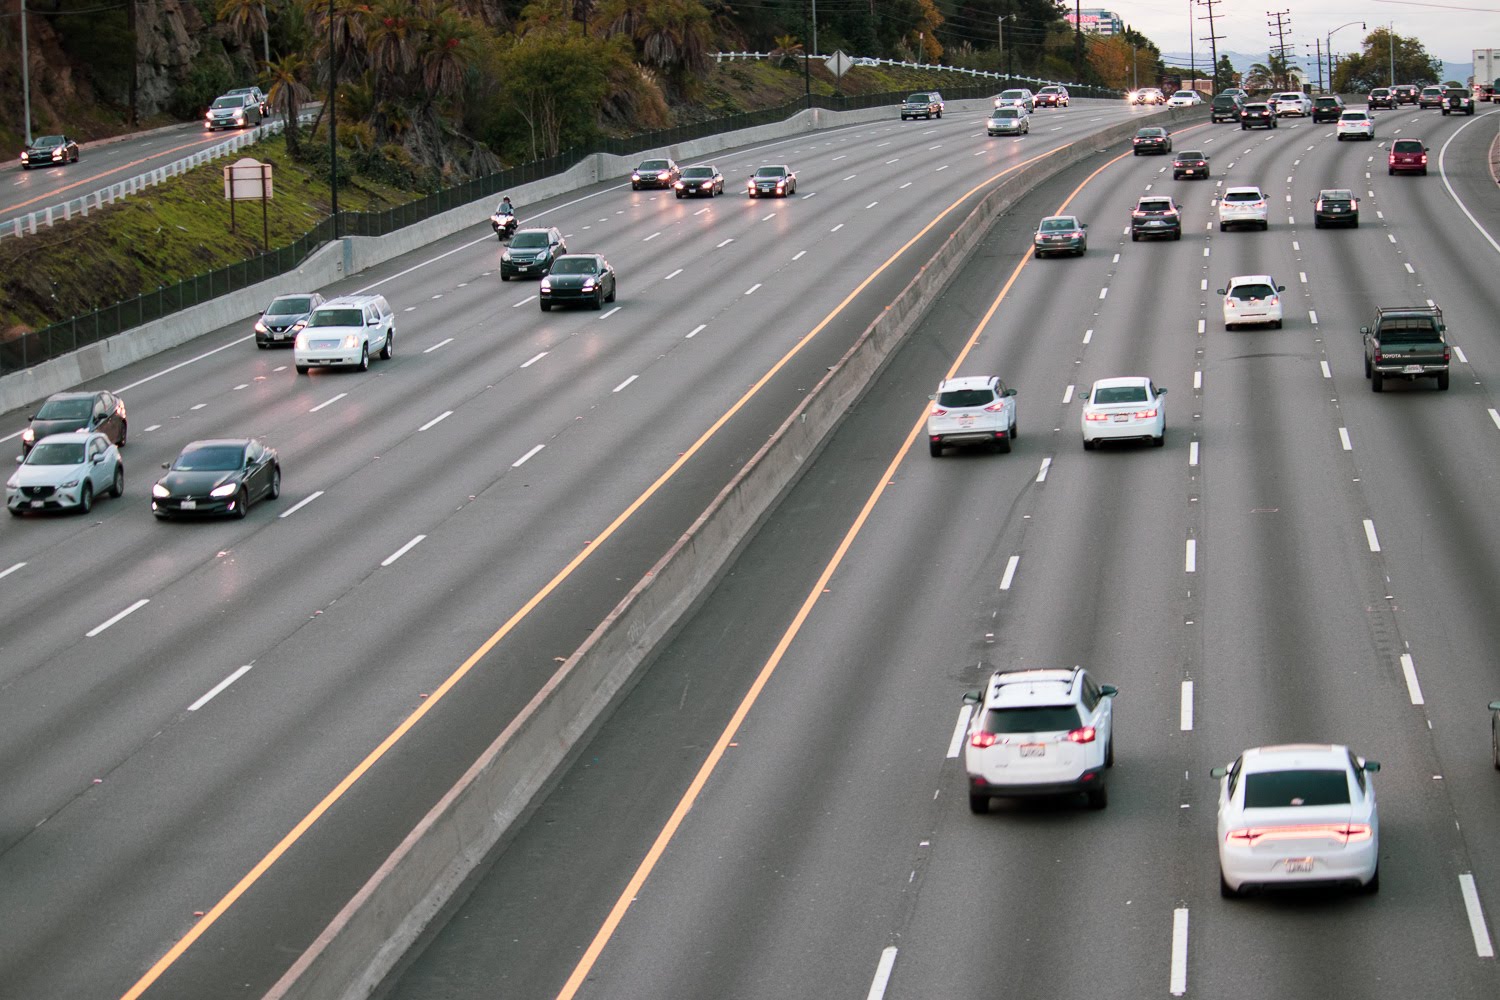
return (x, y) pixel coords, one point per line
(506, 208)
(504, 219)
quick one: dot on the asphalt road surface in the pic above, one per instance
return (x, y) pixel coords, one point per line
(778, 809)
(212, 733)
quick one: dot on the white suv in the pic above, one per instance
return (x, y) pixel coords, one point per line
(976, 409)
(344, 332)
(1244, 206)
(1291, 103)
(1252, 298)
(1040, 732)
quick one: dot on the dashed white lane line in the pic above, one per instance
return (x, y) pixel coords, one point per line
(435, 420)
(1197, 380)
(672, 275)
(752, 288)
(1494, 415)
(1302, 276)
(1116, 260)
(882, 974)
(607, 315)
(153, 427)
(1103, 291)
(444, 341)
(836, 228)
(1409, 268)
(1409, 671)
(906, 185)
(526, 457)
(1312, 316)
(1088, 335)
(1370, 535)
(768, 218)
(1068, 394)
(242, 385)
(1177, 984)
(956, 744)
(851, 177)
(1185, 711)
(197, 406)
(219, 687)
(403, 550)
(1391, 237)
(1482, 945)
(1041, 477)
(1202, 325)
(1190, 560)
(300, 504)
(653, 236)
(625, 383)
(943, 167)
(1344, 441)
(1327, 372)
(721, 246)
(871, 205)
(695, 331)
(811, 194)
(130, 610)
(1192, 454)
(7, 572)
(1010, 572)
(410, 309)
(1205, 251)
(798, 254)
(535, 359)
(517, 305)
(328, 402)
(1458, 352)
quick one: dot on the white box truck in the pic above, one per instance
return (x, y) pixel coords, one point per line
(1486, 73)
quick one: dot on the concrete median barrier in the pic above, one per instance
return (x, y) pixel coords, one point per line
(367, 939)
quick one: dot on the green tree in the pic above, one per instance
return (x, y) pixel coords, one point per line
(1228, 76)
(673, 37)
(247, 21)
(552, 84)
(287, 92)
(1386, 59)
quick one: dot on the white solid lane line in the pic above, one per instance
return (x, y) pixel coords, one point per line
(219, 687)
(1370, 535)
(1344, 441)
(1482, 945)
(882, 974)
(403, 550)
(328, 402)
(133, 608)
(441, 343)
(1010, 572)
(625, 383)
(871, 205)
(1185, 712)
(526, 457)
(1409, 671)
(535, 359)
(184, 364)
(435, 420)
(8, 572)
(1178, 984)
(1041, 476)
(956, 744)
(1190, 560)
(300, 504)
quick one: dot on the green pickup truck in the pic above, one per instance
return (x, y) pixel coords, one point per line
(1407, 342)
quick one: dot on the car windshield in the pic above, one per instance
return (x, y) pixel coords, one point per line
(1006, 113)
(698, 172)
(1120, 394)
(337, 317)
(1243, 196)
(290, 307)
(771, 172)
(56, 453)
(1050, 90)
(1011, 95)
(529, 239)
(917, 99)
(654, 165)
(244, 91)
(65, 409)
(229, 102)
(1032, 719)
(1279, 789)
(1247, 292)
(47, 142)
(575, 265)
(1060, 225)
(1407, 146)
(958, 398)
(210, 458)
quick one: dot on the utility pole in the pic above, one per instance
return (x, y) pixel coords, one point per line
(1212, 38)
(333, 115)
(1318, 42)
(806, 61)
(1390, 36)
(1078, 38)
(1282, 25)
(1192, 60)
(25, 74)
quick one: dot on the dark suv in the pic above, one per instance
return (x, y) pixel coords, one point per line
(1257, 116)
(1381, 97)
(1406, 342)
(1405, 93)
(1155, 215)
(1227, 107)
(532, 253)
(1327, 109)
(924, 104)
(1151, 139)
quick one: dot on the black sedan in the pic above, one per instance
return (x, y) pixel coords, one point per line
(221, 476)
(1151, 140)
(1257, 116)
(697, 181)
(1335, 206)
(579, 277)
(1190, 163)
(77, 411)
(778, 181)
(654, 174)
(45, 150)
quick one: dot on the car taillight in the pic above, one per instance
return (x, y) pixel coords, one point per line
(1319, 205)
(1379, 355)
(1138, 215)
(1084, 735)
(1144, 414)
(1423, 158)
(1446, 354)
(1343, 832)
(1171, 214)
(1096, 416)
(1273, 300)
(982, 739)
(938, 411)
(998, 406)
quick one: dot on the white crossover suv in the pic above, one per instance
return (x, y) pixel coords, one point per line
(344, 332)
(1252, 298)
(66, 472)
(1244, 206)
(976, 409)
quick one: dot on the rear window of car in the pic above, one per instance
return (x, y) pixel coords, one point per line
(1191, 154)
(1225, 102)
(966, 397)
(1151, 133)
(1336, 195)
(1246, 292)
(1355, 116)
(1032, 719)
(1407, 330)
(1407, 146)
(1011, 95)
(1155, 206)
(1120, 394)
(1278, 789)
(1243, 196)
(1058, 225)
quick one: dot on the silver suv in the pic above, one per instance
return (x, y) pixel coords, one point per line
(976, 409)
(344, 332)
(1040, 732)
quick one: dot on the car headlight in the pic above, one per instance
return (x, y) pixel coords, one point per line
(505, 256)
(228, 489)
(546, 284)
(70, 483)
(160, 491)
(635, 175)
(301, 324)
(588, 284)
(11, 484)
(25, 155)
(57, 153)
(679, 185)
(350, 341)
(300, 344)
(260, 326)
(28, 437)
(664, 175)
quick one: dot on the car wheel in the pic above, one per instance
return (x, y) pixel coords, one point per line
(17, 512)
(1423, 172)
(273, 492)
(241, 503)
(1083, 250)
(1221, 227)
(1135, 237)
(1367, 366)
(86, 498)
(261, 345)
(364, 358)
(1390, 172)
(1494, 727)
(117, 489)
(1015, 428)
(389, 348)
(1177, 235)
(935, 449)
(504, 276)
(546, 306)
(1089, 445)
(123, 428)
(1442, 381)
(1109, 753)
(599, 299)
(614, 289)
(1377, 382)
(1002, 445)
(1225, 889)
(301, 369)
(1264, 225)
(1317, 223)
(979, 804)
(1354, 222)
(1372, 887)
(1098, 797)
(635, 187)
(680, 196)
(1160, 439)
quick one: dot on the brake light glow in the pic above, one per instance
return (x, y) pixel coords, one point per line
(982, 740)
(1096, 416)
(1343, 833)
(998, 406)
(1145, 414)
(937, 411)
(1084, 735)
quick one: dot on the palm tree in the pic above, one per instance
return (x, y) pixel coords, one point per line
(443, 56)
(787, 50)
(288, 92)
(246, 19)
(390, 38)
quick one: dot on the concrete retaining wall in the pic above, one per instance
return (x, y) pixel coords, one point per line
(364, 942)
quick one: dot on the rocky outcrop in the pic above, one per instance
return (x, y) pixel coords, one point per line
(170, 34)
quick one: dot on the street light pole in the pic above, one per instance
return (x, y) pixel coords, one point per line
(333, 116)
(25, 74)
(1390, 37)
(1329, 48)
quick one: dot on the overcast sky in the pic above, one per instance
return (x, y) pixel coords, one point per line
(1449, 29)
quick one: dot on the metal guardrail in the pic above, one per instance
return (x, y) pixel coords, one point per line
(63, 211)
(1082, 89)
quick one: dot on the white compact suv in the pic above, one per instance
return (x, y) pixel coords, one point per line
(1040, 732)
(1244, 206)
(344, 332)
(975, 409)
(1292, 102)
(1252, 298)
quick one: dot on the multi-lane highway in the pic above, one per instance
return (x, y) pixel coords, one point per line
(213, 733)
(778, 810)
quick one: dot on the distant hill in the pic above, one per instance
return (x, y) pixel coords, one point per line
(1242, 62)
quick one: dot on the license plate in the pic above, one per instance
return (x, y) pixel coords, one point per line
(967, 420)
(1120, 418)
(1298, 865)
(36, 503)
(1033, 749)
(1190, 171)
(1412, 369)
(189, 504)
(1154, 223)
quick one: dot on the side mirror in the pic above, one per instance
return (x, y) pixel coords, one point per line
(933, 397)
(97, 459)
(1083, 225)
(1160, 391)
(1108, 690)
(372, 322)
(20, 459)
(1371, 765)
(1223, 292)
(1083, 397)
(1219, 772)
(1495, 706)
(1281, 288)
(166, 465)
(1365, 330)
(1008, 392)
(973, 697)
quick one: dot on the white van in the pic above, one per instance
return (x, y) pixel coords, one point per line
(344, 332)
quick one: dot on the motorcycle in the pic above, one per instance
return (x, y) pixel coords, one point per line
(504, 224)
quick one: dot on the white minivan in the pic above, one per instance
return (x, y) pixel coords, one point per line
(344, 332)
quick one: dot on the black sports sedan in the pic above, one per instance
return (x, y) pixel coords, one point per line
(655, 174)
(579, 277)
(1190, 163)
(1257, 116)
(1152, 139)
(77, 411)
(1335, 206)
(778, 181)
(699, 181)
(220, 476)
(45, 150)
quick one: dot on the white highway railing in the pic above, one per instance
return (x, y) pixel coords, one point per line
(871, 61)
